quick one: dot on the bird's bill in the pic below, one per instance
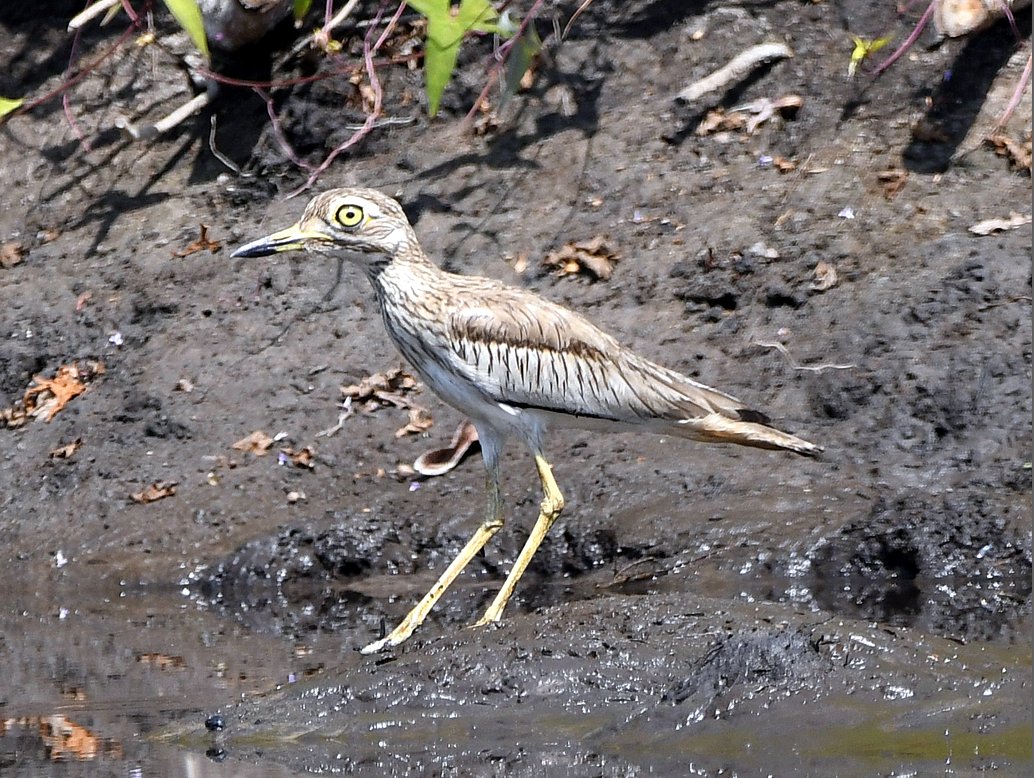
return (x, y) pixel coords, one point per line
(294, 238)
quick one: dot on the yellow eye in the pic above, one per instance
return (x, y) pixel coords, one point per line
(349, 215)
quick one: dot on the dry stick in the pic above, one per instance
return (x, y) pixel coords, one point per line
(570, 22)
(738, 67)
(90, 13)
(793, 363)
(161, 127)
(322, 35)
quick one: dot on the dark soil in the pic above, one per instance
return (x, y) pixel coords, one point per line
(691, 601)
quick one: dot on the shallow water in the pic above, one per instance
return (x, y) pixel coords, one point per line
(119, 680)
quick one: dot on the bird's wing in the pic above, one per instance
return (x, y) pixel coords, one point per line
(530, 353)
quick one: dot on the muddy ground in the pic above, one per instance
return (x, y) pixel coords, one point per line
(695, 608)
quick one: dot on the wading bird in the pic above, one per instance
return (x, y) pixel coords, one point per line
(515, 363)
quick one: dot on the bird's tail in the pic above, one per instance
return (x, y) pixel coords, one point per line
(745, 431)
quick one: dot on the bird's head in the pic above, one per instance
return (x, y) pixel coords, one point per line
(362, 220)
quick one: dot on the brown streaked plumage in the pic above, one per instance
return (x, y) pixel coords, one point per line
(514, 362)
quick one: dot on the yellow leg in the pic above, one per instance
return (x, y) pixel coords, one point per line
(552, 505)
(492, 524)
(416, 616)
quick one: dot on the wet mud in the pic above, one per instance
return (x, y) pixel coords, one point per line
(696, 610)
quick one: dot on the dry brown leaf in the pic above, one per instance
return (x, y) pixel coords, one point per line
(420, 420)
(203, 243)
(825, 276)
(380, 389)
(45, 397)
(257, 443)
(66, 741)
(11, 254)
(595, 256)
(783, 165)
(717, 120)
(1018, 154)
(184, 385)
(82, 300)
(442, 460)
(391, 388)
(67, 450)
(304, 458)
(893, 181)
(162, 661)
(156, 491)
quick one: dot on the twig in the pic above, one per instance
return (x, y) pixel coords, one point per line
(574, 17)
(222, 157)
(145, 131)
(624, 575)
(90, 13)
(322, 36)
(347, 411)
(738, 67)
(793, 363)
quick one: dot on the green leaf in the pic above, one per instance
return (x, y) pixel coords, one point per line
(446, 26)
(189, 17)
(7, 105)
(301, 7)
(439, 62)
(523, 54)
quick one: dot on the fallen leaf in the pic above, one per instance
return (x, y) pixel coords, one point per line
(893, 181)
(595, 256)
(825, 276)
(783, 165)
(156, 491)
(304, 458)
(988, 226)
(1018, 154)
(11, 254)
(442, 460)
(203, 243)
(387, 387)
(184, 385)
(419, 421)
(162, 661)
(717, 120)
(257, 443)
(391, 388)
(66, 451)
(45, 397)
(82, 300)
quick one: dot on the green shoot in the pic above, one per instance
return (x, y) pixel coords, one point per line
(446, 26)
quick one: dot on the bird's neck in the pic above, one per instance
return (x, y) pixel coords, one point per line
(403, 275)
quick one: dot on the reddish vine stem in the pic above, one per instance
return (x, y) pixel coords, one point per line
(378, 95)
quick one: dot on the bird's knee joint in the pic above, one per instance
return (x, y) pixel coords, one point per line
(492, 526)
(552, 506)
